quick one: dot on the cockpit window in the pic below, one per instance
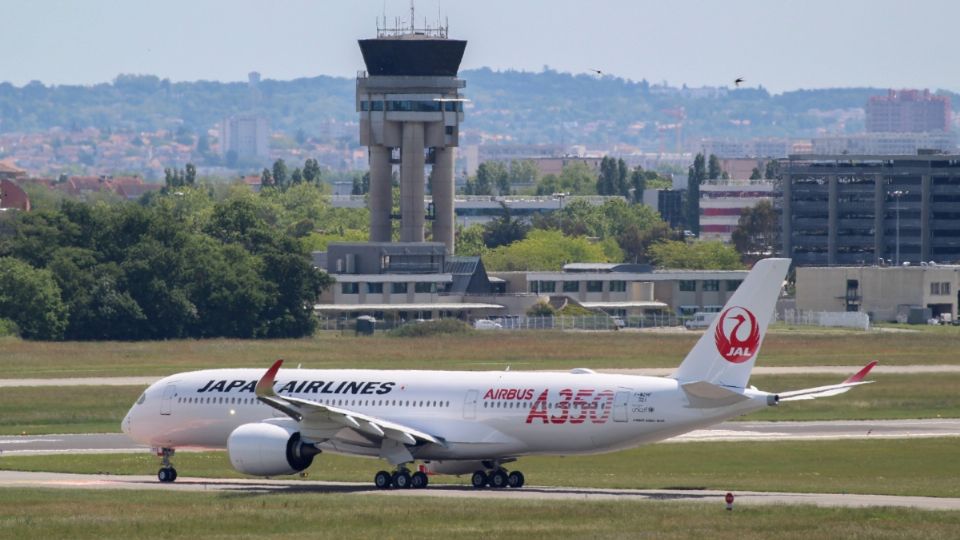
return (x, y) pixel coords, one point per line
(143, 397)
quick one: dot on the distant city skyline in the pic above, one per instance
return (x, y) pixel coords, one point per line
(780, 45)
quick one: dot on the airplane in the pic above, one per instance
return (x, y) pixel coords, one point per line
(276, 422)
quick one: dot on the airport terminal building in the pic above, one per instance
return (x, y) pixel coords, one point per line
(420, 280)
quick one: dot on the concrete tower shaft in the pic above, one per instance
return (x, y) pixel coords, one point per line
(410, 113)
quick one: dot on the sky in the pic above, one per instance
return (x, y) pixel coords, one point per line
(779, 44)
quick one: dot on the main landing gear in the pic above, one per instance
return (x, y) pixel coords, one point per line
(497, 478)
(167, 473)
(401, 479)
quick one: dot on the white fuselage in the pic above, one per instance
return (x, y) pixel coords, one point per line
(479, 415)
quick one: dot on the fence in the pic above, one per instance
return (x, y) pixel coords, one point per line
(582, 322)
(846, 319)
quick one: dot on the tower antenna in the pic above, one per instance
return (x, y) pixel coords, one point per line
(411, 17)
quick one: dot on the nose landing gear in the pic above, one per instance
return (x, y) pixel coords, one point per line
(167, 473)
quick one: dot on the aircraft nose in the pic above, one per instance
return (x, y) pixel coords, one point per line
(125, 424)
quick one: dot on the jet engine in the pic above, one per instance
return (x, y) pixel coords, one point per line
(269, 449)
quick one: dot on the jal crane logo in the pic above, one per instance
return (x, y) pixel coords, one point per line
(737, 335)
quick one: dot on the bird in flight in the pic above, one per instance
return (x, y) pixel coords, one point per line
(597, 71)
(738, 80)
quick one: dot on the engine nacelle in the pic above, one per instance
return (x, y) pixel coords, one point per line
(267, 449)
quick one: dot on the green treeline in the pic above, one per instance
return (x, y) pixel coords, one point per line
(544, 107)
(177, 264)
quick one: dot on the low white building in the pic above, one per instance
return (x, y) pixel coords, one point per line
(886, 293)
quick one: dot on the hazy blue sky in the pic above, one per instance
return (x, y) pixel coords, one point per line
(782, 45)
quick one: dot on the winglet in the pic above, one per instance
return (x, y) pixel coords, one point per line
(265, 385)
(858, 376)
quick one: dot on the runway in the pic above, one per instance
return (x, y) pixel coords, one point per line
(652, 372)
(727, 431)
(13, 479)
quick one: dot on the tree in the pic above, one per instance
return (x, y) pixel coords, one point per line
(311, 171)
(772, 169)
(190, 175)
(361, 184)
(523, 172)
(30, 297)
(491, 176)
(713, 168)
(469, 240)
(544, 250)
(755, 174)
(638, 183)
(756, 234)
(296, 176)
(608, 182)
(711, 255)
(172, 178)
(504, 230)
(280, 173)
(266, 178)
(695, 177)
(622, 186)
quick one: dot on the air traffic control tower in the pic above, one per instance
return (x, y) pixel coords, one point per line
(410, 113)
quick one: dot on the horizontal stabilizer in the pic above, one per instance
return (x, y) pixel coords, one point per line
(829, 390)
(704, 395)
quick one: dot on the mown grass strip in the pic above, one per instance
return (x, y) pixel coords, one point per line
(492, 350)
(38, 513)
(921, 467)
(65, 409)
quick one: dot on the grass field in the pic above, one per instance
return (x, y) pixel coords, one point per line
(474, 351)
(99, 409)
(115, 514)
(65, 409)
(925, 467)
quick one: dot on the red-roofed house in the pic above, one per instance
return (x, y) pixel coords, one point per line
(10, 172)
(13, 196)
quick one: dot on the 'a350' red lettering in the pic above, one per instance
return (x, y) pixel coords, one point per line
(573, 407)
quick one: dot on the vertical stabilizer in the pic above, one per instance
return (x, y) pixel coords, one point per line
(726, 352)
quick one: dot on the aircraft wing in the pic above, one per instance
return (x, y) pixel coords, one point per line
(317, 415)
(829, 390)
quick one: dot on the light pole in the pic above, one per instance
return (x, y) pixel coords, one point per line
(897, 194)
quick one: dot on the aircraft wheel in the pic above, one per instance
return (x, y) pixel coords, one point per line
(515, 479)
(383, 480)
(401, 479)
(419, 480)
(498, 479)
(167, 474)
(479, 479)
